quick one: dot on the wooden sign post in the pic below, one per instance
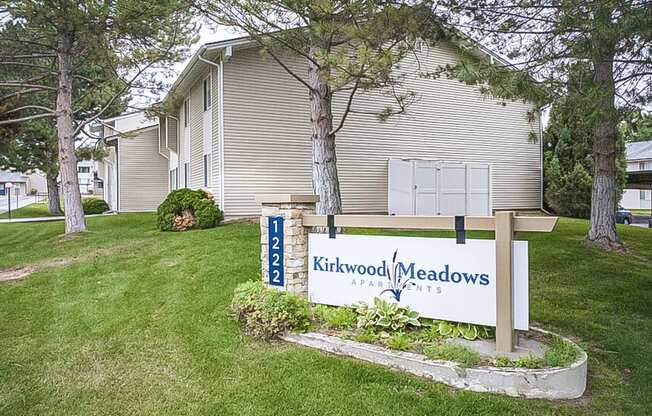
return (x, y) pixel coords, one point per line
(504, 283)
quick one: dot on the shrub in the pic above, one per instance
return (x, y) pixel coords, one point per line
(335, 318)
(451, 352)
(385, 315)
(560, 353)
(267, 313)
(184, 209)
(94, 206)
(399, 341)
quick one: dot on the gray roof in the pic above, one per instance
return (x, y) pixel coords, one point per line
(6, 176)
(639, 150)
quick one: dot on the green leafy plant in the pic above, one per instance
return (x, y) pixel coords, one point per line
(94, 206)
(186, 208)
(428, 333)
(451, 352)
(385, 315)
(399, 341)
(560, 353)
(266, 313)
(335, 318)
(367, 335)
(461, 330)
(504, 362)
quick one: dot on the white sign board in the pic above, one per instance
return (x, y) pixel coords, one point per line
(433, 276)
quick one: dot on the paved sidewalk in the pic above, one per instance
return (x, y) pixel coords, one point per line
(45, 219)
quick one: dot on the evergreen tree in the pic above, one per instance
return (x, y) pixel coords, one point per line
(348, 47)
(82, 56)
(544, 39)
(568, 144)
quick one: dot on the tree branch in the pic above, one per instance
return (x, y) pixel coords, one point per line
(23, 85)
(28, 118)
(26, 107)
(348, 107)
(287, 69)
(21, 92)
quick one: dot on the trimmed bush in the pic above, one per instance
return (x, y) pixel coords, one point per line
(94, 206)
(267, 313)
(185, 209)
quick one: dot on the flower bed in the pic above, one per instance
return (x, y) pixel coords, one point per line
(458, 354)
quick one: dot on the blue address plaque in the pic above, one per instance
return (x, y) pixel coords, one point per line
(275, 231)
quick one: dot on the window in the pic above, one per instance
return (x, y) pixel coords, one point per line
(173, 179)
(207, 169)
(186, 113)
(186, 174)
(418, 45)
(207, 93)
(84, 169)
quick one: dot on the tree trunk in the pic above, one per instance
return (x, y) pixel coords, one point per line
(74, 213)
(54, 204)
(325, 182)
(602, 230)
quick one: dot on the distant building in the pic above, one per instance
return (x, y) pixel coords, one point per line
(639, 157)
(86, 172)
(23, 183)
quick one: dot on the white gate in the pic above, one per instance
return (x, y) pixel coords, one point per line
(401, 186)
(426, 187)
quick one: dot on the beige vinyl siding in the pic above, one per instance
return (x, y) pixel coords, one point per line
(143, 172)
(267, 146)
(267, 136)
(196, 134)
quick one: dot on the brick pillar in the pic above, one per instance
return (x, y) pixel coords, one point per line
(295, 237)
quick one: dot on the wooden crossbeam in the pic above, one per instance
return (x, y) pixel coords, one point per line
(442, 222)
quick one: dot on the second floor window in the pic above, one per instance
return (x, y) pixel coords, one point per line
(84, 169)
(207, 93)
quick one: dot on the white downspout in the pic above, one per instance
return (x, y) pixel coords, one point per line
(220, 133)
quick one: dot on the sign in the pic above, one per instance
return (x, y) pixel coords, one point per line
(275, 231)
(433, 276)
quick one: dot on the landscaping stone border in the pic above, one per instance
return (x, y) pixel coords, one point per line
(544, 383)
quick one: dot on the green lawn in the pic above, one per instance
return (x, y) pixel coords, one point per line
(138, 323)
(641, 212)
(30, 211)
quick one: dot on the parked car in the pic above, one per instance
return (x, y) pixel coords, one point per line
(623, 216)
